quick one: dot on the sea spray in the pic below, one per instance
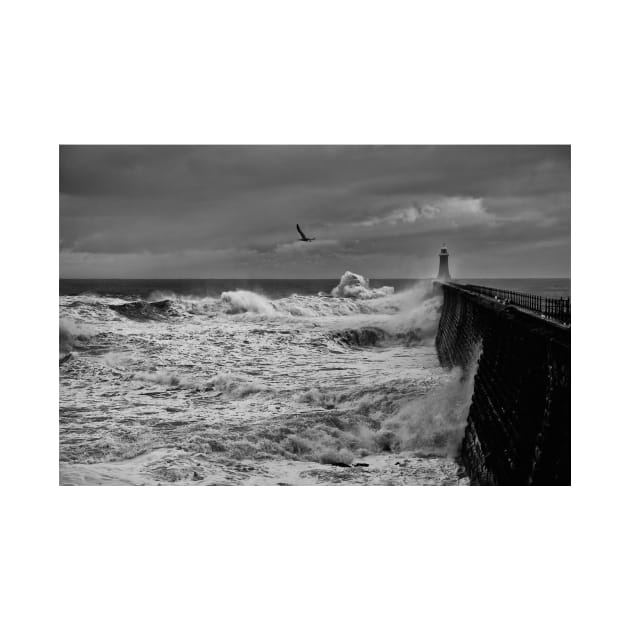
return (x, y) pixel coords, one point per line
(71, 336)
(247, 302)
(427, 419)
(409, 318)
(353, 285)
(422, 317)
(435, 423)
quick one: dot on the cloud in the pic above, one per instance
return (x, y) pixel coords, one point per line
(402, 215)
(305, 248)
(180, 264)
(446, 210)
(429, 212)
(129, 207)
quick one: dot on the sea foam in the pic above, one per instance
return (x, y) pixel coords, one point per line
(247, 302)
(353, 285)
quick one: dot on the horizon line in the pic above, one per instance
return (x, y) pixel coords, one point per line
(332, 278)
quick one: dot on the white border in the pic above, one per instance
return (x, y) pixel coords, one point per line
(342, 72)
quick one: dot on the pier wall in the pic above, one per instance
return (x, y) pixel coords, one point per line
(519, 424)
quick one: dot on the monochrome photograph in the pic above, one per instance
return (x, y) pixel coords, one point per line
(313, 268)
(314, 315)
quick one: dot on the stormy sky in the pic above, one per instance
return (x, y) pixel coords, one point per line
(384, 211)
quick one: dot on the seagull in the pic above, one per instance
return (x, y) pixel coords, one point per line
(304, 237)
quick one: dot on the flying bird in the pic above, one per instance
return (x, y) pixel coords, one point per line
(303, 236)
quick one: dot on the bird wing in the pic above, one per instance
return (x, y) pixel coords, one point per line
(300, 231)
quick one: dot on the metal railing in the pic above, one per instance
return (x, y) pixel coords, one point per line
(558, 309)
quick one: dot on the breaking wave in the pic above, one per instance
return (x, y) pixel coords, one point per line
(372, 336)
(236, 385)
(163, 377)
(352, 296)
(353, 285)
(233, 385)
(414, 321)
(72, 336)
(142, 310)
(436, 423)
(247, 302)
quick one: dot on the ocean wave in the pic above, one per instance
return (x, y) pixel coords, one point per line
(241, 302)
(141, 310)
(429, 422)
(231, 384)
(398, 416)
(373, 402)
(247, 302)
(72, 336)
(412, 319)
(236, 385)
(352, 296)
(163, 377)
(353, 285)
(436, 423)
(421, 318)
(371, 336)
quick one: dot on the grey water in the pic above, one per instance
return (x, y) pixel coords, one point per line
(289, 382)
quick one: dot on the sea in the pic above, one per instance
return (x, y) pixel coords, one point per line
(260, 382)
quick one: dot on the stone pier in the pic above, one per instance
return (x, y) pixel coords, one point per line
(519, 425)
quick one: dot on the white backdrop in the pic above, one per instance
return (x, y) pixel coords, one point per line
(326, 72)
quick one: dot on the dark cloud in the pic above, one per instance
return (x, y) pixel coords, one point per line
(148, 209)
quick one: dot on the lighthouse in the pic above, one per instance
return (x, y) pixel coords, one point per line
(443, 273)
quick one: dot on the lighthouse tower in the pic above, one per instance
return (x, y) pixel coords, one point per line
(443, 273)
